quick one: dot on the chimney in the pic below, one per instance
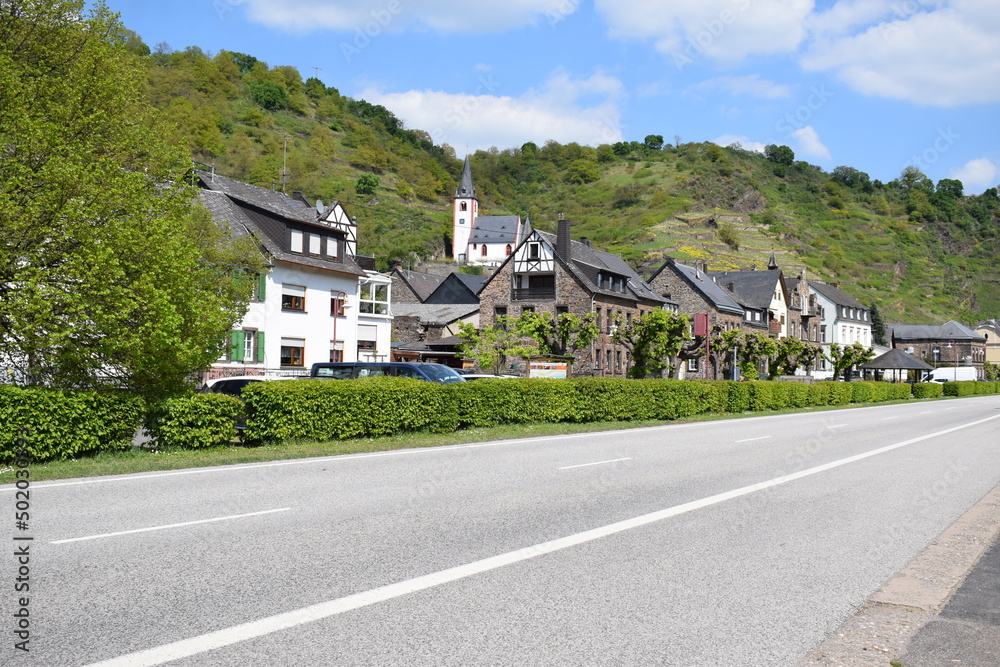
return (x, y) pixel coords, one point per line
(563, 240)
(585, 241)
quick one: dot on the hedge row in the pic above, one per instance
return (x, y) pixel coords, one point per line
(64, 424)
(324, 410)
(60, 425)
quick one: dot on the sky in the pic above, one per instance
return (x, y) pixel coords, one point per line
(878, 85)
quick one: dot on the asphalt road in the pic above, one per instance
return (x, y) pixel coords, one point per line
(742, 542)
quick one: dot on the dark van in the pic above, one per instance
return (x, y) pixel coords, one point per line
(347, 370)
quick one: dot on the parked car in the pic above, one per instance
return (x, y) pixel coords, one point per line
(950, 373)
(347, 370)
(479, 376)
(232, 386)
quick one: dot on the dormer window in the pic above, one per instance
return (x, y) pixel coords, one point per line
(296, 241)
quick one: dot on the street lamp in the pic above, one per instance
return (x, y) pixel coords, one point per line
(952, 346)
(338, 297)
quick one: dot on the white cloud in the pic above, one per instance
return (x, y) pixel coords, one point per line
(751, 85)
(376, 16)
(724, 30)
(744, 142)
(485, 119)
(976, 175)
(809, 143)
(941, 53)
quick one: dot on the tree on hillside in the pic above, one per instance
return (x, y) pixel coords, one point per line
(367, 184)
(779, 154)
(878, 325)
(653, 142)
(109, 275)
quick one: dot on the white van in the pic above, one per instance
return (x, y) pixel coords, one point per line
(951, 374)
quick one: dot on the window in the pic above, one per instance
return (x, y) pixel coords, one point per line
(293, 297)
(296, 243)
(336, 350)
(527, 309)
(332, 247)
(692, 365)
(499, 312)
(507, 251)
(464, 206)
(533, 251)
(484, 250)
(560, 310)
(293, 351)
(249, 345)
(375, 299)
(246, 345)
(315, 242)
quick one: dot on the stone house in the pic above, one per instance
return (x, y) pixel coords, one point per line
(554, 274)
(949, 344)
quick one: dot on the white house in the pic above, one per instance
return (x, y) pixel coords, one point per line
(842, 319)
(486, 240)
(319, 300)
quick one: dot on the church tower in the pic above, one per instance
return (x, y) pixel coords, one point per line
(466, 208)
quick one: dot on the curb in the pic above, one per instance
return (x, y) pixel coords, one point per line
(881, 631)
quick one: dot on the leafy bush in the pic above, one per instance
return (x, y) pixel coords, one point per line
(62, 424)
(960, 388)
(490, 402)
(196, 421)
(927, 390)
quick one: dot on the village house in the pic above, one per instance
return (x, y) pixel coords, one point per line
(554, 274)
(843, 320)
(948, 344)
(318, 301)
(486, 240)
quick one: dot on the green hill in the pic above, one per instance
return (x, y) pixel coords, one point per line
(922, 251)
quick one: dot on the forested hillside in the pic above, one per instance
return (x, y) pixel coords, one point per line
(922, 251)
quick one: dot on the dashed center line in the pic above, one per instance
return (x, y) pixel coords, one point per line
(172, 525)
(596, 463)
(763, 437)
(887, 418)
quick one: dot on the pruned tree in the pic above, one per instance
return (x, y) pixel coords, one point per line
(653, 341)
(491, 346)
(559, 335)
(846, 357)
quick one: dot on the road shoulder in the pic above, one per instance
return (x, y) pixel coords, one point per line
(882, 630)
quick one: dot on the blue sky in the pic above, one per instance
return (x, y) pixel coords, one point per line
(878, 85)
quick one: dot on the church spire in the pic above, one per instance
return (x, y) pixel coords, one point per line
(772, 264)
(465, 187)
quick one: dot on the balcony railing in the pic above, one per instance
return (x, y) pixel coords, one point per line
(774, 327)
(534, 294)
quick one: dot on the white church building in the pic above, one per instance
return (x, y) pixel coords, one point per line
(485, 240)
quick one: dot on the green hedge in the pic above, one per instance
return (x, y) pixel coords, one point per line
(337, 409)
(969, 388)
(927, 390)
(200, 420)
(63, 424)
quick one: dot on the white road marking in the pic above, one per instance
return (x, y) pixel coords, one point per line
(888, 418)
(763, 437)
(596, 463)
(172, 525)
(836, 425)
(214, 640)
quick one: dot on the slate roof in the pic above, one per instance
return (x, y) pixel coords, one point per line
(897, 359)
(835, 295)
(465, 187)
(240, 207)
(435, 314)
(422, 284)
(753, 289)
(494, 229)
(458, 288)
(950, 330)
(703, 283)
(271, 200)
(584, 256)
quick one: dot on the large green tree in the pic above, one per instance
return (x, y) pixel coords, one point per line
(109, 274)
(653, 340)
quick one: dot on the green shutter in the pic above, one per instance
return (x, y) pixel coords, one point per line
(236, 351)
(261, 286)
(260, 345)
